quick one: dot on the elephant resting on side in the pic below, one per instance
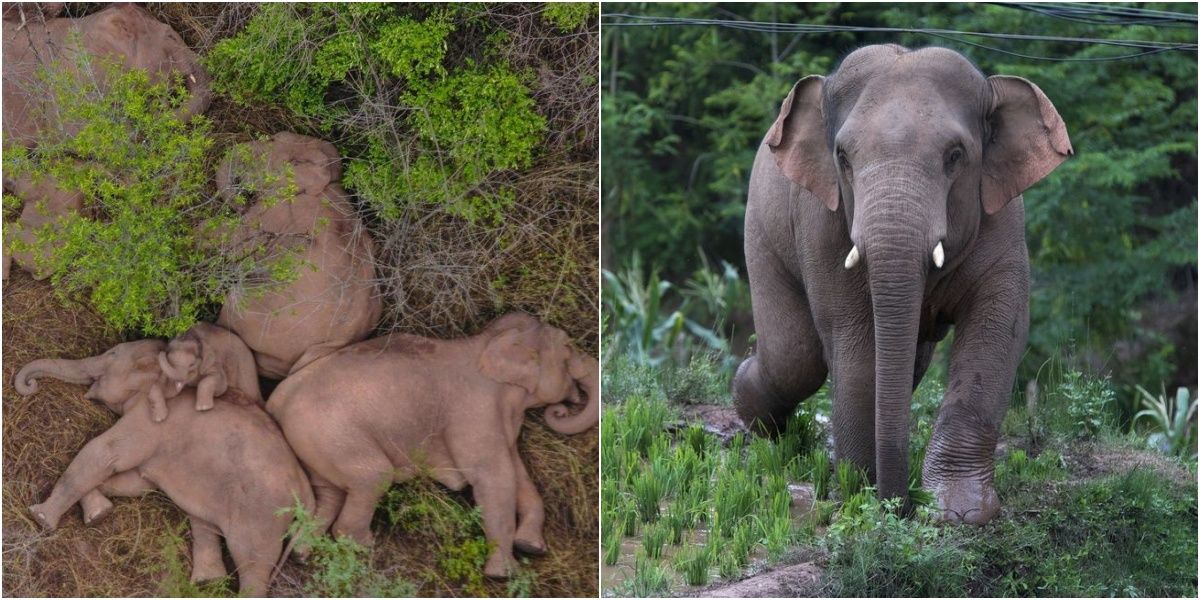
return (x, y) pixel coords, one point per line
(396, 406)
(124, 31)
(213, 360)
(228, 468)
(333, 301)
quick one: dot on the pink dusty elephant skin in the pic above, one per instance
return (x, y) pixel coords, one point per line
(333, 301)
(391, 407)
(229, 468)
(211, 359)
(885, 207)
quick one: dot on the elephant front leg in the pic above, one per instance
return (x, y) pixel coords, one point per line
(111, 452)
(959, 462)
(96, 504)
(485, 459)
(531, 514)
(853, 417)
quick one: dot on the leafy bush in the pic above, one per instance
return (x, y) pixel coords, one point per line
(568, 16)
(361, 69)
(142, 172)
(1087, 399)
(343, 567)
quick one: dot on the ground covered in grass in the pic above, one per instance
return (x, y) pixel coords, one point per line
(441, 275)
(692, 508)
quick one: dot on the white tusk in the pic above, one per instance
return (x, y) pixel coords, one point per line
(939, 256)
(852, 258)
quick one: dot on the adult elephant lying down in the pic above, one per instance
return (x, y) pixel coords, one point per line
(229, 468)
(884, 207)
(393, 407)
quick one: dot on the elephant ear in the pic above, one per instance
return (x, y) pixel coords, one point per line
(512, 357)
(1027, 140)
(797, 140)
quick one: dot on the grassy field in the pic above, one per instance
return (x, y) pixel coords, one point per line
(1087, 511)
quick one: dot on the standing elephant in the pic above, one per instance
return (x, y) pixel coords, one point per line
(230, 468)
(392, 407)
(210, 358)
(333, 301)
(884, 206)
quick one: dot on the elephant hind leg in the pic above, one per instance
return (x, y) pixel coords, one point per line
(255, 553)
(531, 513)
(329, 499)
(207, 564)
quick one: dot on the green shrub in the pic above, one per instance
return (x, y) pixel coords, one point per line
(424, 508)
(342, 568)
(361, 70)
(1088, 399)
(568, 16)
(142, 172)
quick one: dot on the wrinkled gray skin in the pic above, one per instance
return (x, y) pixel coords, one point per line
(333, 301)
(32, 39)
(393, 407)
(228, 468)
(892, 154)
(211, 359)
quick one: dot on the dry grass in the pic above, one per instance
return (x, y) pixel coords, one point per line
(439, 277)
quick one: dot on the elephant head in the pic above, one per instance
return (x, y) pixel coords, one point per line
(917, 149)
(314, 164)
(180, 362)
(116, 377)
(519, 350)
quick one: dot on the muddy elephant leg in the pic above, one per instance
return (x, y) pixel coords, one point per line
(788, 365)
(207, 564)
(116, 450)
(531, 513)
(254, 552)
(988, 343)
(96, 504)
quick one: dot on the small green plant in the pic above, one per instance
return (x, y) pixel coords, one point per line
(175, 581)
(650, 579)
(423, 508)
(653, 538)
(816, 468)
(850, 479)
(568, 16)
(694, 563)
(1087, 400)
(342, 566)
(1173, 421)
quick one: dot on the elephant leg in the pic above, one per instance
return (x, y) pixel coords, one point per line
(788, 365)
(493, 480)
(119, 449)
(531, 513)
(354, 520)
(96, 504)
(254, 553)
(207, 564)
(988, 344)
(330, 500)
(853, 417)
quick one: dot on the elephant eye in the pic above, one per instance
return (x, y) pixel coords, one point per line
(844, 165)
(953, 158)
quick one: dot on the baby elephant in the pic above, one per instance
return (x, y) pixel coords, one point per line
(392, 407)
(210, 358)
(228, 468)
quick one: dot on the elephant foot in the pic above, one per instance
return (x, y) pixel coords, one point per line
(203, 405)
(755, 403)
(532, 548)
(158, 412)
(43, 517)
(499, 566)
(96, 510)
(206, 571)
(967, 501)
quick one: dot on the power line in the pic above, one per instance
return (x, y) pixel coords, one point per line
(1147, 46)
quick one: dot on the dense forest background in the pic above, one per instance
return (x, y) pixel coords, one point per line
(1111, 233)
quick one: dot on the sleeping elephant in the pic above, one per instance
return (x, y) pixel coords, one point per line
(230, 468)
(210, 358)
(333, 301)
(32, 40)
(396, 406)
(885, 206)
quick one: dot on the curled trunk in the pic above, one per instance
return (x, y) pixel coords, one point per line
(585, 370)
(71, 371)
(177, 373)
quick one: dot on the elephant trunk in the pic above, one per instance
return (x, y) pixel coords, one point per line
(177, 373)
(895, 236)
(71, 371)
(586, 372)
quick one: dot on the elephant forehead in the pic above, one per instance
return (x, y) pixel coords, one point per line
(921, 75)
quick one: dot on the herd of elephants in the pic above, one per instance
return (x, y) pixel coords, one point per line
(871, 228)
(351, 414)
